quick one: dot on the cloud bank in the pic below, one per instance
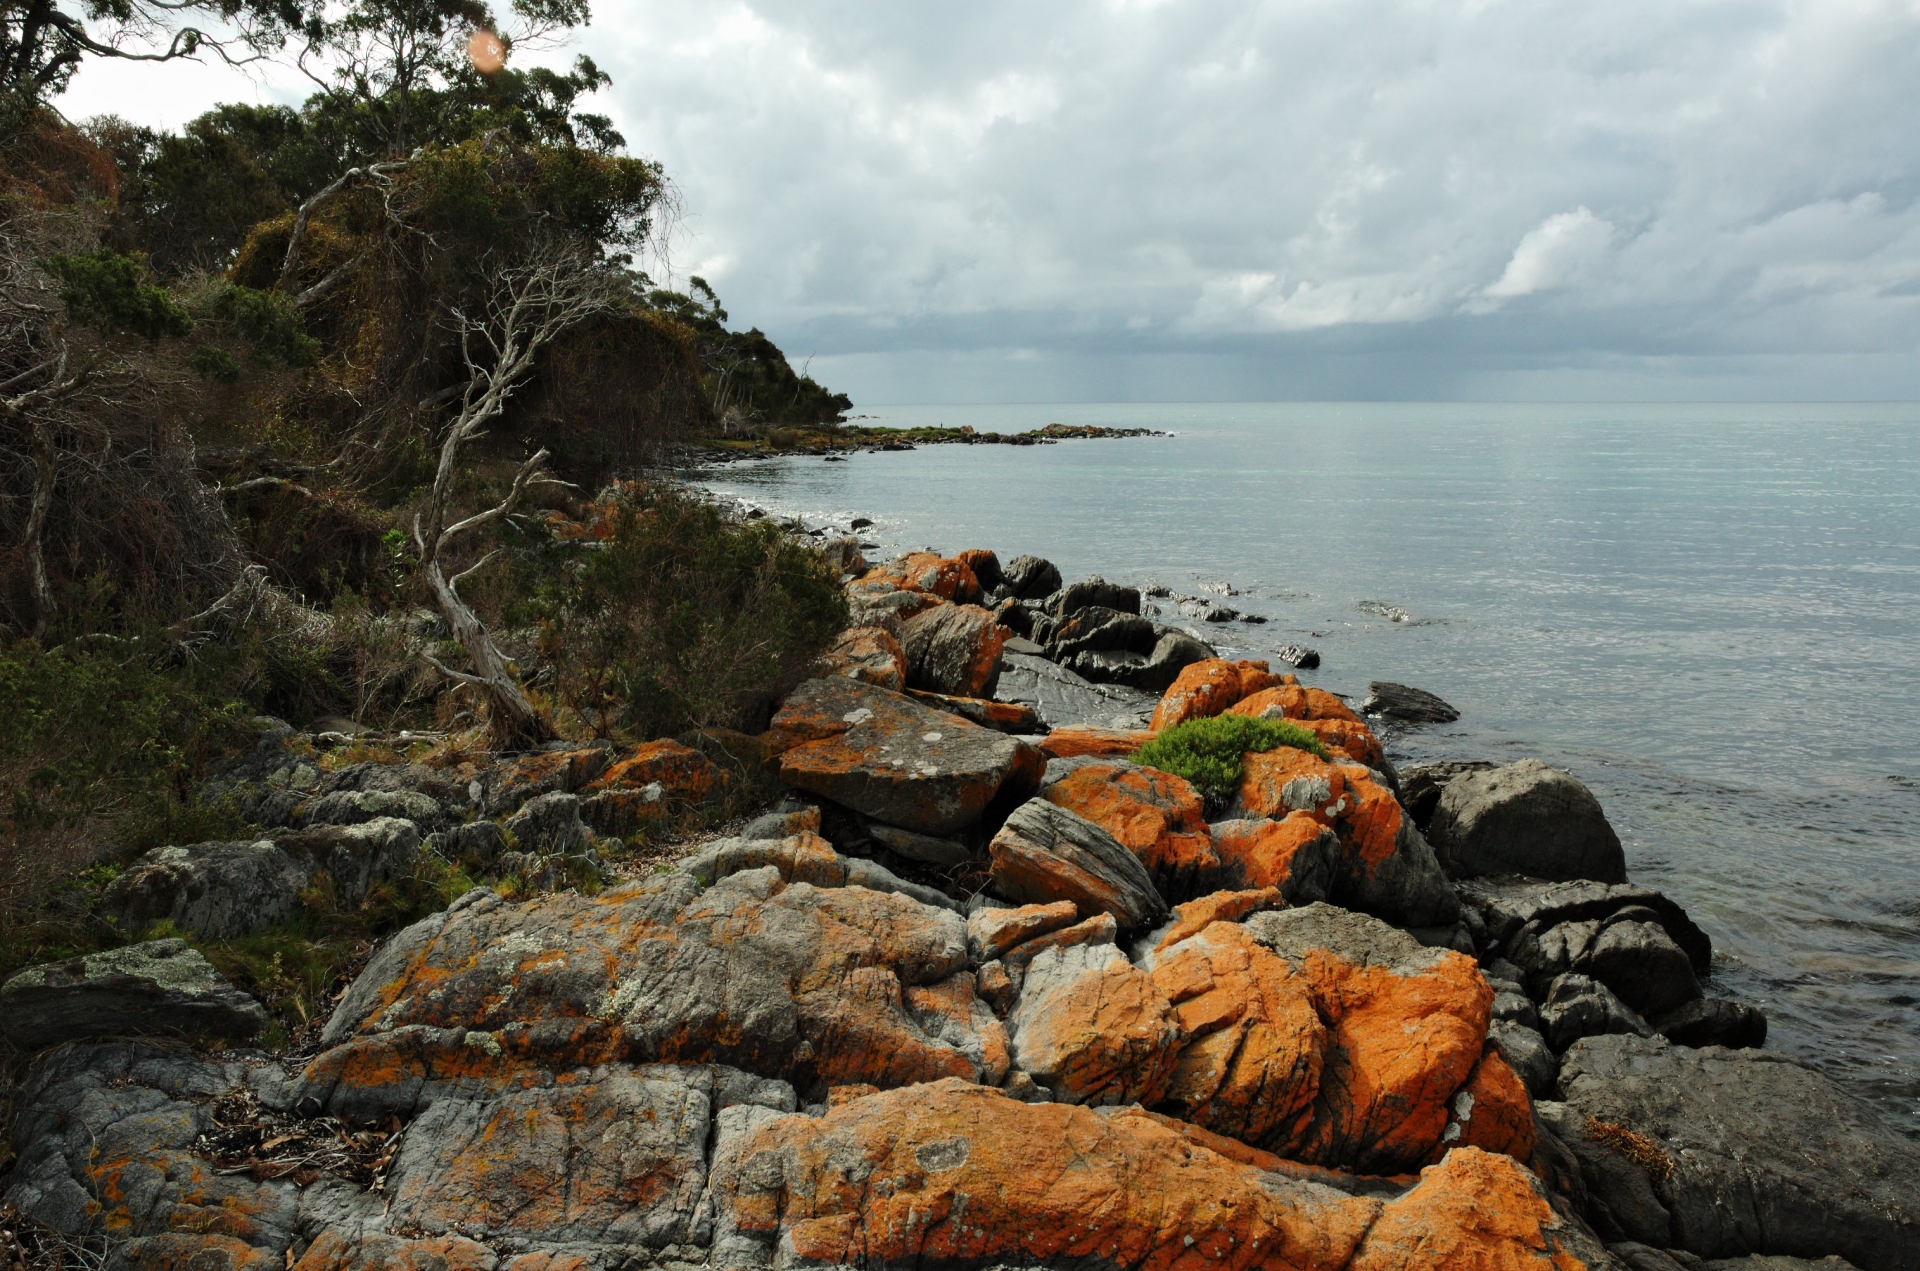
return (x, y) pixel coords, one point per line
(1194, 199)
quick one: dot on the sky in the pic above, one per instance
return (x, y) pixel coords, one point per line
(1196, 200)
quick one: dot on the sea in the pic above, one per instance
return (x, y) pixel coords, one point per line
(1708, 613)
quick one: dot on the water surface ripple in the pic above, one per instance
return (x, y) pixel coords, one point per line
(1711, 614)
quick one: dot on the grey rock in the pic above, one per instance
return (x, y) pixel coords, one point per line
(1095, 628)
(1406, 705)
(481, 841)
(1030, 578)
(1096, 591)
(215, 890)
(920, 847)
(1766, 1262)
(1527, 1053)
(1509, 1004)
(1201, 609)
(159, 987)
(1045, 853)
(357, 856)
(1525, 818)
(1620, 1202)
(1714, 1021)
(1421, 784)
(626, 1148)
(1359, 938)
(351, 807)
(104, 1134)
(1639, 1257)
(550, 824)
(1298, 655)
(796, 861)
(844, 554)
(1407, 887)
(1577, 1006)
(1768, 1156)
(1633, 955)
(1063, 698)
(733, 1168)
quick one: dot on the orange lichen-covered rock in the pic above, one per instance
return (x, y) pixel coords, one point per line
(1406, 1026)
(1093, 1028)
(1475, 1209)
(1251, 1068)
(1017, 718)
(954, 649)
(1491, 1111)
(335, 1249)
(948, 577)
(1045, 853)
(1293, 701)
(185, 1251)
(1099, 929)
(1296, 855)
(964, 1176)
(795, 981)
(1208, 688)
(885, 755)
(1383, 866)
(1196, 916)
(1077, 740)
(686, 775)
(512, 782)
(1155, 814)
(984, 564)
(870, 655)
(991, 932)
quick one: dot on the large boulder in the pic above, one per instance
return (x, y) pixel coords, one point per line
(215, 890)
(949, 578)
(1525, 818)
(884, 1180)
(355, 857)
(1096, 592)
(1047, 853)
(1748, 1151)
(954, 649)
(885, 755)
(157, 988)
(1029, 578)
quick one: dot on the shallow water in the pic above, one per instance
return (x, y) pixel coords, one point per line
(1711, 614)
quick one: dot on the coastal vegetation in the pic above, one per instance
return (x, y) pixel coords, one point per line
(1211, 752)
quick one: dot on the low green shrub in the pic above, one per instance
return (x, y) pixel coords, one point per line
(1211, 753)
(687, 619)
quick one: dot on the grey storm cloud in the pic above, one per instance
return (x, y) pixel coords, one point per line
(1425, 196)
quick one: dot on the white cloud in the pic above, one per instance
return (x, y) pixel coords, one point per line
(1629, 189)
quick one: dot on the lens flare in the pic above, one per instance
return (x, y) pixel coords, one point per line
(486, 52)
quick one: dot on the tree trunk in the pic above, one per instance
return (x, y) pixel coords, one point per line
(512, 717)
(44, 470)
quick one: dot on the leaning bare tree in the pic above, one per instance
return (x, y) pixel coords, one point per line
(529, 301)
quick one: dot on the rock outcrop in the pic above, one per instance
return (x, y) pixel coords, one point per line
(156, 988)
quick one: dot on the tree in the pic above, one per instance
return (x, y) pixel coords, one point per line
(531, 301)
(43, 42)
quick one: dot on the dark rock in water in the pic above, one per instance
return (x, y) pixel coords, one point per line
(1298, 655)
(1632, 954)
(1421, 784)
(1714, 1021)
(1578, 1006)
(1200, 609)
(1029, 578)
(215, 890)
(1096, 628)
(1253, 618)
(1525, 818)
(859, 523)
(160, 987)
(1064, 699)
(1515, 910)
(1752, 1151)
(1406, 705)
(1527, 1053)
(1096, 591)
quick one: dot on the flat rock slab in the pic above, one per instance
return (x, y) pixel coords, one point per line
(1065, 700)
(1766, 1155)
(158, 988)
(885, 755)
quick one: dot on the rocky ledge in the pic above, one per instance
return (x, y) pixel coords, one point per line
(984, 991)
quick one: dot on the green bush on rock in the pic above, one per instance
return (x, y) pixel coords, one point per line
(1211, 753)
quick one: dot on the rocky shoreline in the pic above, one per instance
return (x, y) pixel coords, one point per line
(981, 990)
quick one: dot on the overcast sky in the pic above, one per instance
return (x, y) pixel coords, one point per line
(1105, 200)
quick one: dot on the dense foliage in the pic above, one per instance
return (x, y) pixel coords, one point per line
(1211, 753)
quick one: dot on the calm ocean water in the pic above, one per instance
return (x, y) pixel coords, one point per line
(1710, 614)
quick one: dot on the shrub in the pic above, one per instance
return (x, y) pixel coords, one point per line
(1211, 753)
(685, 619)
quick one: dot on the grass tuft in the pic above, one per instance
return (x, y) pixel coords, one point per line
(1211, 753)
